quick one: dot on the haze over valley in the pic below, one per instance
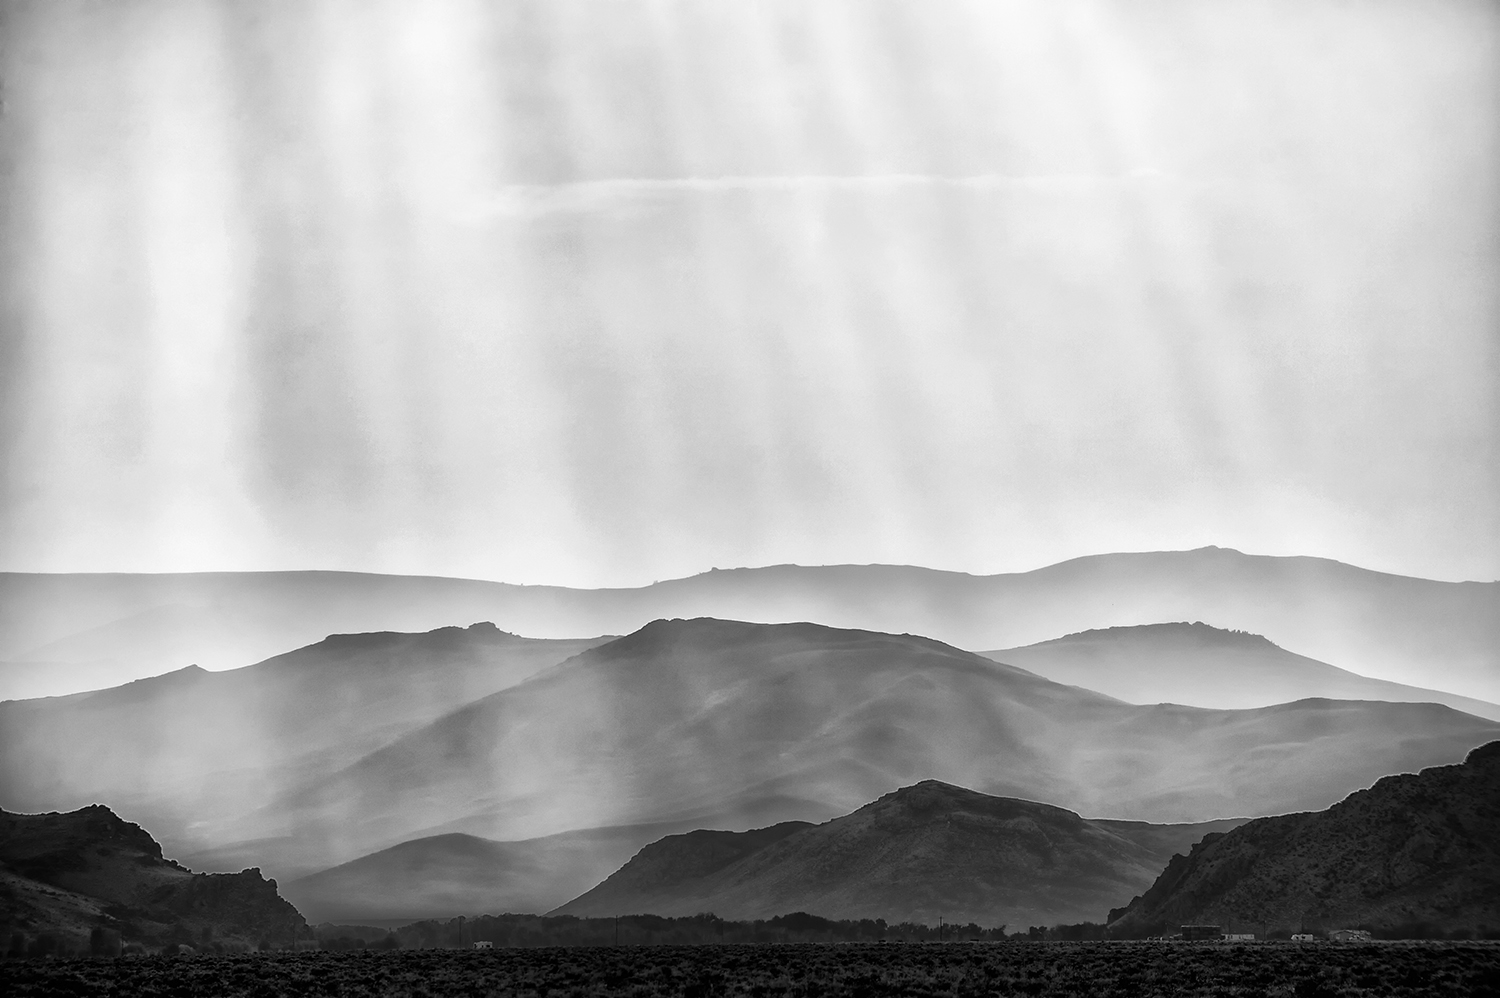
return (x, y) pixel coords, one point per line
(1029, 463)
(390, 775)
(1406, 630)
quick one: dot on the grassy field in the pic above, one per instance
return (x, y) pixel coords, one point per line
(1035, 970)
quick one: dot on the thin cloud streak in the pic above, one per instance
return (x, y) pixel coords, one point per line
(585, 196)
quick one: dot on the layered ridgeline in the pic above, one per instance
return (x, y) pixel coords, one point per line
(1208, 666)
(704, 723)
(751, 724)
(88, 880)
(921, 853)
(1416, 848)
(1392, 627)
(438, 876)
(197, 749)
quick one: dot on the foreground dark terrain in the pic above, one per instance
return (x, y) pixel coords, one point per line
(1003, 969)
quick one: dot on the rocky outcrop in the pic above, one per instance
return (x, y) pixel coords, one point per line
(75, 874)
(1415, 848)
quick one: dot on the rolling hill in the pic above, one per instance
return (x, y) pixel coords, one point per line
(440, 876)
(1422, 847)
(688, 717)
(193, 750)
(922, 852)
(1419, 632)
(1206, 666)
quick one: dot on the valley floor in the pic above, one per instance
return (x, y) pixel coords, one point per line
(1036, 970)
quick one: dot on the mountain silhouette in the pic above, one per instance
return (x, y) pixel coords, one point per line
(923, 852)
(1419, 847)
(1376, 624)
(688, 717)
(1206, 666)
(195, 747)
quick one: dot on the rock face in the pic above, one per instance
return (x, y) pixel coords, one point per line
(71, 874)
(923, 852)
(1421, 847)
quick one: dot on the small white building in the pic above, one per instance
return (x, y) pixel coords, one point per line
(1304, 937)
(483, 944)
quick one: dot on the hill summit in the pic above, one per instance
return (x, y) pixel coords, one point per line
(927, 851)
(1206, 666)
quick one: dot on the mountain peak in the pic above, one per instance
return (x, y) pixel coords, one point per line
(925, 851)
(930, 798)
(1180, 630)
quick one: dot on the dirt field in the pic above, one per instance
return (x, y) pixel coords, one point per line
(1035, 970)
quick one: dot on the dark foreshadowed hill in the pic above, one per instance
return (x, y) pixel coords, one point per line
(1421, 847)
(1208, 667)
(69, 874)
(201, 748)
(1415, 631)
(696, 716)
(919, 853)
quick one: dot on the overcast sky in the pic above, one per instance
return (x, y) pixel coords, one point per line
(606, 292)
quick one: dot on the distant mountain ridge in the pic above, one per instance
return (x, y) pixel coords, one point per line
(919, 853)
(71, 874)
(1415, 631)
(1206, 666)
(357, 745)
(1418, 847)
(698, 716)
(192, 746)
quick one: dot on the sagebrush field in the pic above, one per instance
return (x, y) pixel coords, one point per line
(1035, 970)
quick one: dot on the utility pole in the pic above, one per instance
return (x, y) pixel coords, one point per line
(617, 930)
(940, 928)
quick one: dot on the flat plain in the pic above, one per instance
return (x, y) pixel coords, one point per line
(1034, 970)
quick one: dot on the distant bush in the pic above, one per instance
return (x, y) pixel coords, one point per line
(655, 930)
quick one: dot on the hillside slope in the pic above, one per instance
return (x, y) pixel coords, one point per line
(690, 716)
(440, 876)
(1206, 666)
(68, 874)
(922, 852)
(197, 748)
(1415, 631)
(1422, 847)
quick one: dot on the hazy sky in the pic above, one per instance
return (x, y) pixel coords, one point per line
(604, 292)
